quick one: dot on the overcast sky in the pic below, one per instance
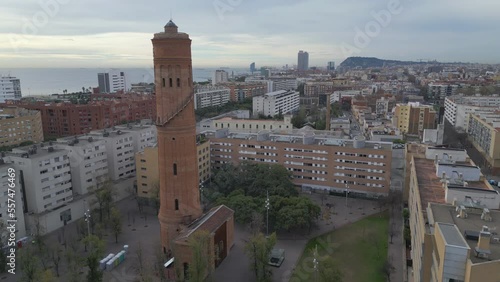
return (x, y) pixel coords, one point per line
(234, 33)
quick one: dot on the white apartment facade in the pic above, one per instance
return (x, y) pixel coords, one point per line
(276, 84)
(120, 152)
(10, 188)
(277, 102)
(440, 91)
(45, 173)
(144, 135)
(112, 82)
(88, 161)
(220, 76)
(211, 96)
(457, 108)
(10, 88)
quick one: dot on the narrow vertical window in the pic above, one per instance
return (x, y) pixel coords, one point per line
(176, 204)
(170, 82)
(163, 82)
(178, 82)
(175, 169)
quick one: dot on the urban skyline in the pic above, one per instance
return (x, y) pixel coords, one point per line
(56, 32)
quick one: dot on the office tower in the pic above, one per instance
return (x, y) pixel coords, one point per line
(330, 66)
(252, 67)
(303, 61)
(111, 82)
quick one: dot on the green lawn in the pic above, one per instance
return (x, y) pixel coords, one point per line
(358, 249)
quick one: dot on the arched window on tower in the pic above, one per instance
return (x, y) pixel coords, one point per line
(163, 82)
(170, 82)
(175, 169)
(176, 204)
(178, 82)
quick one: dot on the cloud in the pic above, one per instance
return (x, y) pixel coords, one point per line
(117, 33)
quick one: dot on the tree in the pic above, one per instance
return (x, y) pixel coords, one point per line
(258, 249)
(159, 262)
(3, 242)
(96, 250)
(156, 196)
(294, 212)
(144, 271)
(104, 199)
(55, 255)
(328, 270)
(299, 119)
(202, 257)
(116, 223)
(46, 276)
(29, 264)
(73, 262)
(38, 231)
(387, 269)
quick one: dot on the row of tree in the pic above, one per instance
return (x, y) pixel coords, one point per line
(42, 260)
(245, 189)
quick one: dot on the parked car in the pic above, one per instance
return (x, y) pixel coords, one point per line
(493, 182)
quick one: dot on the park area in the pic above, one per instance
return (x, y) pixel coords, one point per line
(358, 250)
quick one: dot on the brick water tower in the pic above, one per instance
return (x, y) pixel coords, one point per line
(176, 124)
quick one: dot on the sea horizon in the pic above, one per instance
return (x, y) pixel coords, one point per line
(48, 81)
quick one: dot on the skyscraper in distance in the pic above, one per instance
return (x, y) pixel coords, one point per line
(303, 61)
(330, 66)
(252, 67)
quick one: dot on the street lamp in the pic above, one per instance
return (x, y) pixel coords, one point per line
(87, 219)
(346, 193)
(268, 205)
(315, 263)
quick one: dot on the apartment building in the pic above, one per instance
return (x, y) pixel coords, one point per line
(147, 167)
(10, 88)
(384, 105)
(120, 152)
(253, 125)
(457, 108)
(148, 180)
(413, 118)
(66, 119)
(88, 161)
(14, 193)
(239, 91)
(45, 174)
(316, 88)
(282, 83)
(112, 82)
(484, 132)
(439, 91)
(18, 125)
(316, 162)
(220, 76)
(273, 103)
(213, 96)
(442, 176)
(143, 133)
